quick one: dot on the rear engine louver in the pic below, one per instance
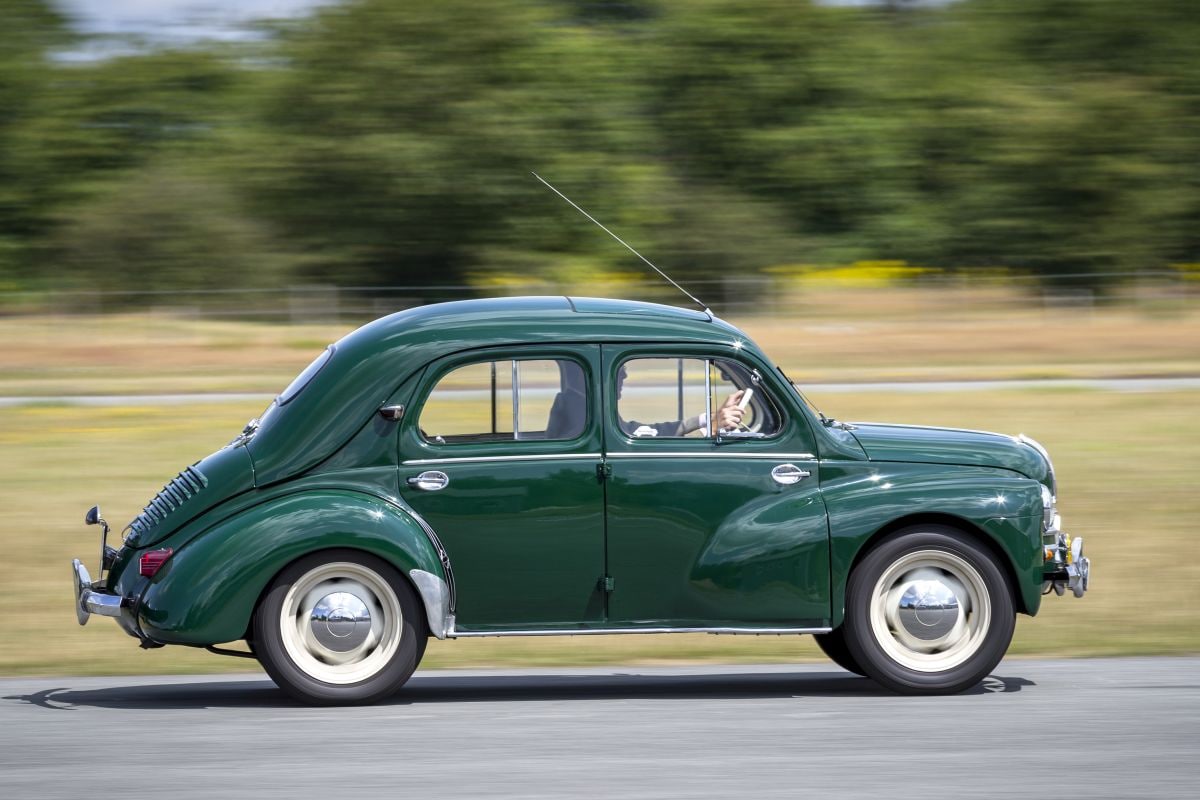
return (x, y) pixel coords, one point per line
(180, 489)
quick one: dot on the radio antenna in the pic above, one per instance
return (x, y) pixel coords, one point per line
(666, 277)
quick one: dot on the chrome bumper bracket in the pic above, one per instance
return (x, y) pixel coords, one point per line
(88, 601)
(1066, 566)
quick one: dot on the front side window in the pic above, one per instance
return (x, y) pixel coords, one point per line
(494, 401)
(693, 398)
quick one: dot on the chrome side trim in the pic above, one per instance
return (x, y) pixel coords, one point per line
(417, 462)
(453, 634)
(685, 454)
(443, 557)
(436, 595)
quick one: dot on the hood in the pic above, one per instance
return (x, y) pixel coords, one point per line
(912, 443)
(196, 489)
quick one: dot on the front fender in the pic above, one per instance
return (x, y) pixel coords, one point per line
(207, 591)
(865, 499)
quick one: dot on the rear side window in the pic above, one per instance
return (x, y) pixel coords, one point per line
(294, 388)
(495, 401)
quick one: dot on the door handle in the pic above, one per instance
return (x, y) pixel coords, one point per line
(787, 474)
(430, 481)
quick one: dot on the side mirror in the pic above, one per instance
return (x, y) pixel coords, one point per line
(93, 516)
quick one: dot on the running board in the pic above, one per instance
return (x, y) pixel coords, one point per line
(456, 634)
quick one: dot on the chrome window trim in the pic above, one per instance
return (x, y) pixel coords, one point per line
(456, 634)
(418, 462)
(706, 454)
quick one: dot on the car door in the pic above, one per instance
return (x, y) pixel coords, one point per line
(500, 456)
(705, 528)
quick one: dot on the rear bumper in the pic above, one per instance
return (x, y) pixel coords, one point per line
(89, 601)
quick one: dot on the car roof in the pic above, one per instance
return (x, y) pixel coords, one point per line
(369, 363)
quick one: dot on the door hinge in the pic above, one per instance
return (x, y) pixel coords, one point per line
(606, 583)
(603, 471)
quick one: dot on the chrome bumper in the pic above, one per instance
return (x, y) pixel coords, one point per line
(88, 601)
(1066, 566)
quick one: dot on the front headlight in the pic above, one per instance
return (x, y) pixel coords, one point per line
(1049, 512)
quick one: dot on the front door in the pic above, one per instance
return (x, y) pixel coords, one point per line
(499, 455)
(710, 527)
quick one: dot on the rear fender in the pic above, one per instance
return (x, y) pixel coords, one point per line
(207, 591)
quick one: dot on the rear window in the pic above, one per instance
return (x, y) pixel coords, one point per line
(295, 387)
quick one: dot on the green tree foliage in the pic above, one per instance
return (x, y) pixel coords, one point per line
(380, 143)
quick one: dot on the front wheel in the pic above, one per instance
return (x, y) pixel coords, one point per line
(339, 627)
(833, 644)
(928, 612)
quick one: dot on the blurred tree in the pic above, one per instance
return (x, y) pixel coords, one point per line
(162, 230)
(30, 28)
(374, 143)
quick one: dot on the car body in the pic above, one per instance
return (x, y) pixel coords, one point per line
(476, 469)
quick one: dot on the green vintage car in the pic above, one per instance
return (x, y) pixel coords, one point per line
(562, 466)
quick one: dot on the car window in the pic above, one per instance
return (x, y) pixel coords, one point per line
(682, 398)
(305, 377)
(492, 401)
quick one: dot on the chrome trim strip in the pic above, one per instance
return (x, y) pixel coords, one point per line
(453, 634)
(927, 428)
(417, 462)
(516, 399)
(708, 399)
(685, 454)
(443, 556)
(1036, 445)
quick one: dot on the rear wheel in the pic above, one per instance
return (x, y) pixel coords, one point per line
(928, 612)
(339, 627)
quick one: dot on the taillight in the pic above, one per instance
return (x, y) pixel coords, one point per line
(152, 561)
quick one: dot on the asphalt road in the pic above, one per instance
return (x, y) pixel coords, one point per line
(1116, 728)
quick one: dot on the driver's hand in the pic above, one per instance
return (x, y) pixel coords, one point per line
(729, 416)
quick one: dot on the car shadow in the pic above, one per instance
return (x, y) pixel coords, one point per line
(443, 688)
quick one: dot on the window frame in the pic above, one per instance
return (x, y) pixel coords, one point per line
(451, 365)
(713, 437)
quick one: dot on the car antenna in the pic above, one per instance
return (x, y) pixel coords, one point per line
(691, 296)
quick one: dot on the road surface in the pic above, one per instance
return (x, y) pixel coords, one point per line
(1113, 728)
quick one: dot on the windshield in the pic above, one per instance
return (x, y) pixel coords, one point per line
(803, 398)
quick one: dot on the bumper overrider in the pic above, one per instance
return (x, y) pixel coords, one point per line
(1065, 565)
(88, 600)
(93, 596)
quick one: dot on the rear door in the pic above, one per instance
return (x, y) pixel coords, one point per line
(500, 456)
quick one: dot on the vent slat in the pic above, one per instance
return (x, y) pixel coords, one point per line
(178, 490)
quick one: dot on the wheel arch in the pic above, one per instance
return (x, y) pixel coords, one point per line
(208, 590)
(965, 527)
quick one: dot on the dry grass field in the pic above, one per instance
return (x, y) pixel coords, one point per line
(1127, 464)
(893, 334)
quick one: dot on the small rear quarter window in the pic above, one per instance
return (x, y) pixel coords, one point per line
(294, 388)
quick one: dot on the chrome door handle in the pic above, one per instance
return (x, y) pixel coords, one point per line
(787, 474)
(430, 481)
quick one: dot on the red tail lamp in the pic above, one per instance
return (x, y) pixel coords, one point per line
(152, 561)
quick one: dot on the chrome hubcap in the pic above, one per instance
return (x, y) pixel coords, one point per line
(930, 611)
(341, 623)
